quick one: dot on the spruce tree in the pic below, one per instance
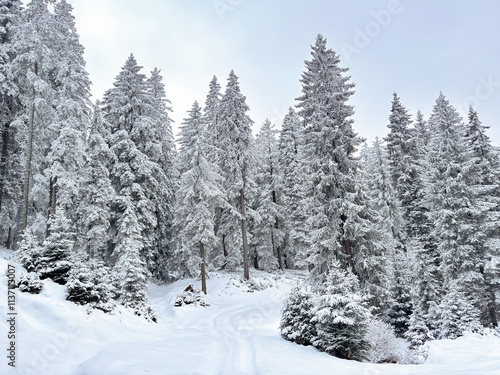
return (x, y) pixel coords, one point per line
(269, 229)
(162, 152)
(136, 174)
(485, 180)
(290, 186)
(56, 254)
(235, 161)
(341, 317)
(10, 19)
(296, 316)
(198, 195)
(97, 191)
(330, 161)
(456, 213)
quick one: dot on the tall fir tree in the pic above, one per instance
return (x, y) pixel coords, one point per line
(455, 209)
(97, 191)
(485, 160)
(291, 188)
(10, 21)
(161, 150)
(235, 161)
(198, 195)
(136, 175)
(330, 161)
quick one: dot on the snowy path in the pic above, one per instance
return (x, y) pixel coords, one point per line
(237, 335)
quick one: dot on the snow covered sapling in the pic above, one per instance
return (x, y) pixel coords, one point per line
(88, 283)
(341, 317)
(30, 283)
(296, 315)
(56, 257)
(28, 253)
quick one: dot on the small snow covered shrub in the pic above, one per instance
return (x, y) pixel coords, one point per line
(384, 346)
(296, 317)
(190, 296)
(89, 283)
(30, 283)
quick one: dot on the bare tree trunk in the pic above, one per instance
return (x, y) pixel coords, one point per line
(246, 272)
(224, 249)
(51, 212)
(279, 250)
(27, 176)
(203, 272)
(3, 160)
(347, 245)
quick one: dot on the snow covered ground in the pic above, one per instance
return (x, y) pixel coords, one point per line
(237, 334)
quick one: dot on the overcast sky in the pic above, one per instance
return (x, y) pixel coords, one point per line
(416, 48)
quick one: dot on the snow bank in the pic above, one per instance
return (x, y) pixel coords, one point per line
(237, 334)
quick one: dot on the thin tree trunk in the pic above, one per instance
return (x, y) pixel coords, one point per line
(3, 160)
(347, 244)
(27, 177)
(348, 251)
(52, 202)
(246, 272)
(49, 208)
(224, 249)
(279, 251)
(88, 243)
(203, 272)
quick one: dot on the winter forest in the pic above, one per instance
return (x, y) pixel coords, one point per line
(103, 197)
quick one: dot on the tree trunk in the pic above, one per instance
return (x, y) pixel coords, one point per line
(27, 176)
(246, 272)
(347, 244)
(279, 251)
(203, 273)
(348, 252)
(51, 212)
(224, 249)
(3, 160)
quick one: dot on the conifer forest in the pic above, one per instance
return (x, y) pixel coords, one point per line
(400, 236)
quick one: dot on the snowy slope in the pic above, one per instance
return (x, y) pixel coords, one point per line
(237, 334)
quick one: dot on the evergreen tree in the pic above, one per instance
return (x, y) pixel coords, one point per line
(485, 180)
(56, 254)
(10, 19)
(331, 165)
(385, 203)
(269, 229)
(402, 165)
(37, 63)
(28, 252)
(66, 156)
(235, 161)
(162, 151)
(89, 283)
(341, 318)
(296, 316)
(136, 175)
(290, 187)
(455, 211)
(97, 192)
(198, 195)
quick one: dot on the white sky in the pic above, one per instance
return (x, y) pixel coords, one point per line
(416, 48)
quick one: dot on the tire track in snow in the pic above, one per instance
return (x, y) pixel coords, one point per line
(235, 338)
